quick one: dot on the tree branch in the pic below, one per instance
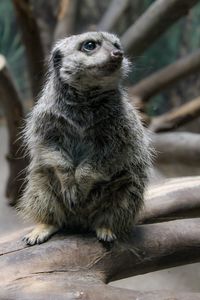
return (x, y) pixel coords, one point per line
(156, 20)
(177, 147)
(66, 19)
(14, 116)
(32, 42)
(112, 15)
(156, 82)
(172, 199)
(177, 117)
(154, 247)
(77, 262)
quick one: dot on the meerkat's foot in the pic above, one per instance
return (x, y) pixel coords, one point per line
(105, 234)
(40, 234)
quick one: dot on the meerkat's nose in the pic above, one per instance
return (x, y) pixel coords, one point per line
(117, 54)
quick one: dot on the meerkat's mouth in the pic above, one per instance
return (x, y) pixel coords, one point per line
(109, 66)
(97, 70)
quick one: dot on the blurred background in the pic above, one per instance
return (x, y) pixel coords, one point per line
(162, 40)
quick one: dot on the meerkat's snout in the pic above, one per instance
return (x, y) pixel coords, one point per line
(114, 62)
(117, 55)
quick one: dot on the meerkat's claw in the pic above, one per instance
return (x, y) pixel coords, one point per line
(105, 234)
(40, 234)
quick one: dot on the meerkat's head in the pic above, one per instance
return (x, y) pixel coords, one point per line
(89, 59)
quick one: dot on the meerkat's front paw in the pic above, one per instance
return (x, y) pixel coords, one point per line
(40, 234)
(72, 196)
(105, 234)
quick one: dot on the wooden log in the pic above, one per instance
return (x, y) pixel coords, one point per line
(177, 147)
(78, 266)
(172, 199)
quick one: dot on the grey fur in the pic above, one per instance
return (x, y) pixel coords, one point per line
(89, 153)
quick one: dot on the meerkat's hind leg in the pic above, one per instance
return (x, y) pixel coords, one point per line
(105, 234)
(40, 234)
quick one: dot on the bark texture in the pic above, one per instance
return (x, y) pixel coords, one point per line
(77, 266)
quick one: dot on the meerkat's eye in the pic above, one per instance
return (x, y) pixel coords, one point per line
(88, 46)
(117, 46)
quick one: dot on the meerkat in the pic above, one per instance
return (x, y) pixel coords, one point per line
(88, 149)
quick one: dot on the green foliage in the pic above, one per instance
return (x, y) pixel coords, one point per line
(195, 28)
(11, 45)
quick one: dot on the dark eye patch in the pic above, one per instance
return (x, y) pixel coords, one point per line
(57, 59)
(117, 46)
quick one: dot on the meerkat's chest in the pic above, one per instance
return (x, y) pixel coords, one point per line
(79, 143)
(76, 144)
(79, 150)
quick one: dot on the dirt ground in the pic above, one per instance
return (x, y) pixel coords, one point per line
(186, 278)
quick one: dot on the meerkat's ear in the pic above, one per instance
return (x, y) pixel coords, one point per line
(56, 58)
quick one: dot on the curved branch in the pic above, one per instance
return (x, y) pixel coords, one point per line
(177, 147)
(112, 15)
(172, 199)
(156, 82)
(177, 117)
(154, 247)
(33, 44)
(66, 19)
(14, 116)
(156, 20)
(151, 247)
